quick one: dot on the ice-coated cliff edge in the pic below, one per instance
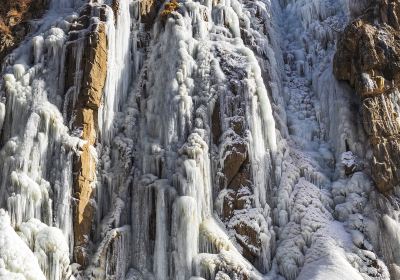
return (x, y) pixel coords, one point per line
(193, 140)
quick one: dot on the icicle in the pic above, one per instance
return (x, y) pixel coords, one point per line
(185, 236)
(111, 259)
(38, 45)
(19, 71)
(160, 265)
(152, 200)
(52, 252)
(54, 43)
(118, 66)
(27, 203)
(2, 114)
(15, 256)
(197, 183)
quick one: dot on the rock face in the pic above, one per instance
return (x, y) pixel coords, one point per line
(368, 56)
(94, 63)
(235, 180)
(190, 140)
(14, 17)
(148, 11)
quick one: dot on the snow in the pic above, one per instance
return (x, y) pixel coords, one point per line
(348, 159)
(16, 259)
(54, 42)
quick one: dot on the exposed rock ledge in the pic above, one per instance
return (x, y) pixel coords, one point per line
(368, 56)
(94, 65)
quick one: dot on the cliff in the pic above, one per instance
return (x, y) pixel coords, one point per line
(93, 62)
(192, 140)
(368, 56)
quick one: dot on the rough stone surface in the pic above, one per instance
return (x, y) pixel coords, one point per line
(236, 155)
(148, 11)
(234, 177)
(252, 240)
(368, 56)
(94, 65)
(14, 18)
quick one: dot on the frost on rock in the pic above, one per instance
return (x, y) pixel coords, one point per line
(349, 162)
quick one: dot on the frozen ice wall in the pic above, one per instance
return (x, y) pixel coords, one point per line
(36, 158)
(37, 150)
(224, 147)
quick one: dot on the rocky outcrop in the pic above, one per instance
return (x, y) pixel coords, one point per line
(85, 107)
(234, 178)
(368, 56)
(14, 21)
(148, 11)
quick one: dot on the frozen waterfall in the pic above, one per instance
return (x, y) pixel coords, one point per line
(188, 140)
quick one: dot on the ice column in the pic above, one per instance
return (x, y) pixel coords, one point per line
(185, 232)
(118, 66)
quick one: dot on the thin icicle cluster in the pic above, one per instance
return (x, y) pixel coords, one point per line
(36, 158)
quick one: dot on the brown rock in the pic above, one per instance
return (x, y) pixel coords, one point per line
(7, 43)
(236, 154)
(95, 66)
(371, 64)
(386, 158)
(216, 123)
(94, 63)
(14, 18)
(238, 125)
(234, 172)
(228, 205)
(115, 8)
(379, 116)
(72, 73)
(148, 11)
(242, 178)
(235, 200)
(251, 240)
